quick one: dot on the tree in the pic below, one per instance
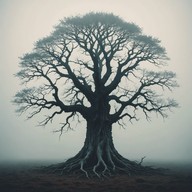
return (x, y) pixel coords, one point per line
(94, 67)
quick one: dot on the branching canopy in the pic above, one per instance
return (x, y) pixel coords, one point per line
(91, 57)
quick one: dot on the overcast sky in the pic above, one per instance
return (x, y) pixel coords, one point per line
(22, 22)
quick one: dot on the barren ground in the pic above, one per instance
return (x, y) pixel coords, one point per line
(24, 177)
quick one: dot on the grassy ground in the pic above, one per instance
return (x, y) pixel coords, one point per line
(23, 177)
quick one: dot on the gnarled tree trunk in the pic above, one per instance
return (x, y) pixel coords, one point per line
(98, 155)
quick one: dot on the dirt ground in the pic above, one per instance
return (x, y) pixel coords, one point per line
(25, 178)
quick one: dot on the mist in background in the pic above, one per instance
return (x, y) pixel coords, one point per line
(22, 22)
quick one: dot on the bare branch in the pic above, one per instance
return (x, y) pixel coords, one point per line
(90, 63)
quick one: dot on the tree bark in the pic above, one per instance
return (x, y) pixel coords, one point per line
(98, 156)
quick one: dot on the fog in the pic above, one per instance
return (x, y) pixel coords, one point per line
(23, 22)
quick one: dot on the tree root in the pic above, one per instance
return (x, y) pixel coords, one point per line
(104, 166)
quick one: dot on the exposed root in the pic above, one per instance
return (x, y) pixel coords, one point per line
(104, 166)
(83, 169)
(99, 158)
(100, 162)
(142, 160)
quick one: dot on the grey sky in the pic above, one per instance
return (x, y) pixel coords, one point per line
(24, 21)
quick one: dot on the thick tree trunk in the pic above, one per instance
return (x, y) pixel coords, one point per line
(98, 155)
(99, 146)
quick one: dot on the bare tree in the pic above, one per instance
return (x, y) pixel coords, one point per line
(94, 67)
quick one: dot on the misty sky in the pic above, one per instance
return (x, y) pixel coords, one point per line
(22, 22)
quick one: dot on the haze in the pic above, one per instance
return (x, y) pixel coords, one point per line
(23, 22)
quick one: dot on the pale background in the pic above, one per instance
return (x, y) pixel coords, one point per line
(22, 22)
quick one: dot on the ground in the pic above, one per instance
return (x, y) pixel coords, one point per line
(25, 177)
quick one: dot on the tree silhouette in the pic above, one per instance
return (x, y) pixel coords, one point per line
(94, 67)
